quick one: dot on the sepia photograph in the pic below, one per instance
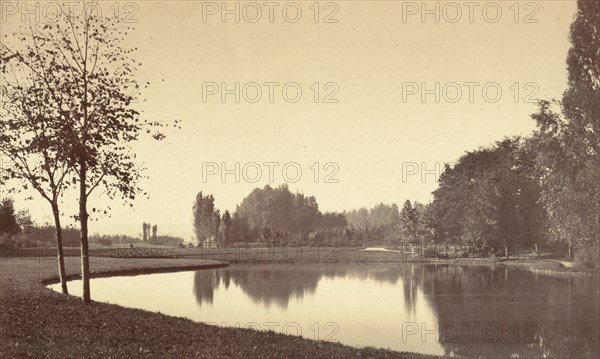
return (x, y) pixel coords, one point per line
(300, 179)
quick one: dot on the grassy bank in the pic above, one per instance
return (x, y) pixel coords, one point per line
(546, 264)
(37, 322)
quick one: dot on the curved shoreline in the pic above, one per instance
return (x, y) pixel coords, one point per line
(36, 321)
(545, 265)
(135, 271)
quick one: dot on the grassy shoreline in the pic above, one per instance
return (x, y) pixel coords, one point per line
(138, 271)
(38, 322)
(546, 265)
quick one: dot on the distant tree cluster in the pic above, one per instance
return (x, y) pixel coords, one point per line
(377, 225)
(171, 241)
(148, 237)
(276, 215)
(279, 209)
(17, 229)
(381, 215)
(8, 217)
(120, 239)
(206, 219)
(386, 224)
(266, 214)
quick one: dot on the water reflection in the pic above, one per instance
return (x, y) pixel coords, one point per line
(432, 309)
(278, 284)
(479, 311)
(516, 312)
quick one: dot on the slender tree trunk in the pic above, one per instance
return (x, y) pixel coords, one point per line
(59, 244)
(83, 215)
(505, 250)
(83, 218)
(570, 253)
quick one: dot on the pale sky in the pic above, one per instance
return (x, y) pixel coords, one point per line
(374, 52)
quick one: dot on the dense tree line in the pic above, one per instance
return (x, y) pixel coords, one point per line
(568, 144)
(18, 230)
(526, 192)
(276, 215)
(385, 224)
(279, 209)
(540, 189)
(489, 198)
(378, 216)
(266, 214)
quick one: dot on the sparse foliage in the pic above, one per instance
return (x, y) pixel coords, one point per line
(88, 86)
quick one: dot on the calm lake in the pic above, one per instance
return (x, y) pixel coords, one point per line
(432, 309)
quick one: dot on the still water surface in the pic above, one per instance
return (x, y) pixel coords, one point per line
(432, 309)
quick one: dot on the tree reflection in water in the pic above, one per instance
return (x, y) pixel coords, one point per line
(481, 311)
(278, 284)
